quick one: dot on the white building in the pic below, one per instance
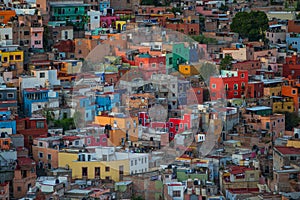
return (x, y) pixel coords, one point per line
(94, 19)
(6, 36)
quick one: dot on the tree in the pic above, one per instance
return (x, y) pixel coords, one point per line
(291, 120)
(298, 6)
(250, 25)
(226, 63)
(204, 40)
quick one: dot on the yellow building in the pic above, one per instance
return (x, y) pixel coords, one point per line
(121, 25)
(93, 169)
(272, 89)
(129, 125)
(188, 70)
(105, 163)
(282, 104)
(13, 60)
(293, 143)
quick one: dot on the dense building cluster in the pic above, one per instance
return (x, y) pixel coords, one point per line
(142, 99)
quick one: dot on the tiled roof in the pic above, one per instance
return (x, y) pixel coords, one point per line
(288, 150)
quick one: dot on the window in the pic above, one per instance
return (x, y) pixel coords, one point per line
(49, 157)
(236, 93)
(5, 59)
(107, 169)
(89, 140)
(242, 75)
(293, 91)
(267, 125)
(79, 51)
(141, 64)
(97, 139)
(40, 125)
(84, 171)
(40, 144)
(153, 65)
(37, 42)
(132, 163)
(26, 33)
(10, 95)
(161, 64)
(18, 57)
(19, 189)
(97, 171)
(11, 57)
(293, 157)
(226, 86)
(42, 75)
(176, 193)
(198, 92)
(41, 155)
(213, 86)
(103, 139)
(235, 86)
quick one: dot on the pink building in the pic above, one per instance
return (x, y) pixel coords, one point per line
(106, 21)
(37, 37)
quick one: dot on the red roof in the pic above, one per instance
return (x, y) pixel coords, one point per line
(238, 169)
(288, 150)
(243, 190)
(22, 161)
(70, 137)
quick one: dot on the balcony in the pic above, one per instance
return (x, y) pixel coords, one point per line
(37, 29)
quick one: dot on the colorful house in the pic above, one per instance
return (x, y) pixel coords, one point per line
(45, 152)
(120, 122)
(230, 84)
(8, 98)
(7, 122)
(85, 105)
(24, 177)
(12, 60)
(34, 95)
(6, 15)
(74, 13)
(150, 65)
(178, 125)
(32, 128)
(105, 163)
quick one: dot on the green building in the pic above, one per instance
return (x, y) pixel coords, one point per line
(73, 14)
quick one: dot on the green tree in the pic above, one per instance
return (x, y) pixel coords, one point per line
(65, 124)
(250, 25)
(298, 6)
(226, 63)
(292, 120)
(204, 40)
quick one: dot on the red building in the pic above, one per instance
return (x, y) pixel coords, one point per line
(255, 89)
(178, 125)
(230, 84)
(185, 28)
(291, 67)
(32, 128)
(149, 65)
(144, 119)
(96, 140)
(293, 26)
(250, 65)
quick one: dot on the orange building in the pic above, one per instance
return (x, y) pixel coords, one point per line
(45, 152)
(290, 89)
(5, 143)
(6, 15)
(24, 177)
(122, 126)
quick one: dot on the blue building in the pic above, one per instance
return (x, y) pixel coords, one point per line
(293, 41)
(7, 122)
(106, 101)
(86, 107)
(104, 5)
(31, 96)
